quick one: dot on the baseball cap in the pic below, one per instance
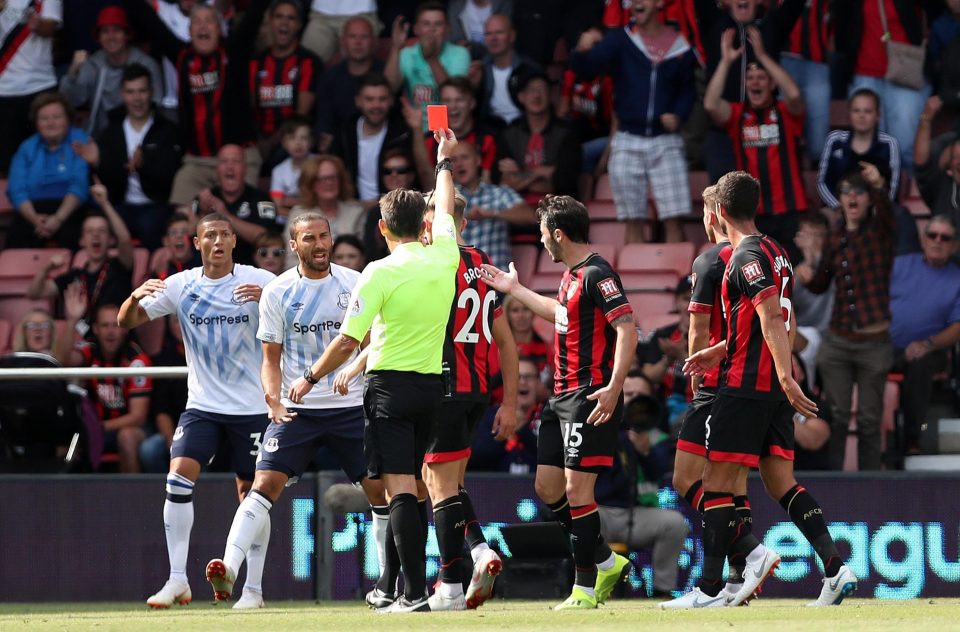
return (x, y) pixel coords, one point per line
(112, 16)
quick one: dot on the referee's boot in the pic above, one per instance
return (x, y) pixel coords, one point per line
(607, 580)
(221, 578)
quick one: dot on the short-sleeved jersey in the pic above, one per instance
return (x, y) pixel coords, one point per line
(305, 315)
(591, 297)
(470, 328)
(767, 145)
(275, 84)
(404, 301)
(707, 280)
(219, 337)
(112, 395)
(758, 268)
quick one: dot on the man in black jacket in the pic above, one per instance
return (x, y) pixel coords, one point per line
(134, 138)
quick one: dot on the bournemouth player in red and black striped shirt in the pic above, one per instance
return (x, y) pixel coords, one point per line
(766, 134)
(750, 423)
(283, 79)
(595, 340)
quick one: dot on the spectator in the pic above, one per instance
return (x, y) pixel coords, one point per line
(805, 60)
(269, 252)
(588, 104)
(529, 343)
(36, 333)
(924, 320)
(422, 67)
(630, 512)
(326, 187)
(502, 67)
(296, 139)
(862, 60)
(176, 16)
(470, 18)
(178, 253)
(843, 149)
(251, 211)
(943, 55)
(348, 252)
(518, 454)
(491, 208)
(283, 78)
(812, 434)
(655, 95)
(122, 404)
(105, 279)
(856, 350)
(766, 134)
(938, 179)
(214, 93)
(538, 154)
(27, 71)
(457, 94)
(362, 144)
(397, 171)
(774, 21)
(137, 156)
(48, 179)
(813, 311)
(94, 81)
(167, 403)
(329, 17)
(339, 84)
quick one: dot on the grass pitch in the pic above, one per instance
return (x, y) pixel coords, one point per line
(775, 614)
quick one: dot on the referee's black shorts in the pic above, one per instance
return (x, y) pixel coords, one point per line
(398, 409)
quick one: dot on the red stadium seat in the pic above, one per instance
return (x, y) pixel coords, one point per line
(650, 305)
(612, 233)
(705, 247)
(13, 309)
(651, 323)
(602, 190)
(655, 280)
(600, 210)
(657, 257)
(909, 188)
(5, 342)
(5, 204)
(19, 265)
(839, 114)
(141, 263)
(546, 280)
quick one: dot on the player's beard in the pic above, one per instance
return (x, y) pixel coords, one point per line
(310, 264)
(554, 249)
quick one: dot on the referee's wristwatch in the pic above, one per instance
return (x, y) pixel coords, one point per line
(443, 165)
(308, 375)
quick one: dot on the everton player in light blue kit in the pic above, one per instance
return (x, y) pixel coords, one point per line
(217, 308)
(301, 312)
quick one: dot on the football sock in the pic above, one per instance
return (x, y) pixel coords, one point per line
(586, 536)
(177, 522)
(808, 516)
(381, 517)
(390, 572)
(409, 537)
(249, 520)
(257, 558)
(448, 519)
(719, 524)
(694, 496)
(561, 509)
(608, 563)
(736, 559)
(472, 531)
(603, 555)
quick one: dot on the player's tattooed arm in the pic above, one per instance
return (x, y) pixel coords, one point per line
(622, 320)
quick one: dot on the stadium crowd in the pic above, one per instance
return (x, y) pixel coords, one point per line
(124, 122)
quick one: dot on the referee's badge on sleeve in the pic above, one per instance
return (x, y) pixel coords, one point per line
(357, 307)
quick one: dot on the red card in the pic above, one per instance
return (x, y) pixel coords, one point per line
(437, 117)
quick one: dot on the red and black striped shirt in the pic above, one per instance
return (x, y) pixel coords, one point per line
(811, 33)
(759, 268)
(470, 328)
(112, 395)
(275, 84)
(591, 297)
(767, 144)
(707, 280)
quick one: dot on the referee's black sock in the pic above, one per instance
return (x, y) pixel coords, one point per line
(586, 536)
(806, 513)
(737, 559)
(387, 583)
(408, 534)
(719, 524)
(448, 519)
(472, 532)
(561, 509)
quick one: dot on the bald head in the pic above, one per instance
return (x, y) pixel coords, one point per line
(498, 35)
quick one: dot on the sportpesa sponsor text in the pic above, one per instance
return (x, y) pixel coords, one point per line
(300, 328)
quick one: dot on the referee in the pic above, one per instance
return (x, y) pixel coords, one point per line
(406, 299)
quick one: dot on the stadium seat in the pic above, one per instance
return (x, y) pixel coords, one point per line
(699, 180)
(19, 265)
(13, 309)
(650, 305)
(5, 204)
(810, 188)
(602, 190)
(141, 263)
(705, 247)
(612, 233)
(653, 280)
(909, 187)
(656, 257)
(650, 324)
(602, 210)
(839, 114)
(5, 342)
(546, 280)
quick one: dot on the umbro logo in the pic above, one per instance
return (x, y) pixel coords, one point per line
(296, 307)
(194, 297)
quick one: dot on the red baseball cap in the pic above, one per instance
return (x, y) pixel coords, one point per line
(112, 16)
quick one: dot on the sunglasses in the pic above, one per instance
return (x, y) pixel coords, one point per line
(276, 252)
(396, 171)
(944, 237)
(34, 326)
(848, 189)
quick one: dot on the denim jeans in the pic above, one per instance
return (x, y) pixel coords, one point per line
(814, 81)
(900, 110)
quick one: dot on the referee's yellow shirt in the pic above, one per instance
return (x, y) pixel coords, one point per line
(406, 298)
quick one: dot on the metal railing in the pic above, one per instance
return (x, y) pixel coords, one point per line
(155, 372)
